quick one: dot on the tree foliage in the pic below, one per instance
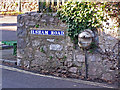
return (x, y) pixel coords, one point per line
(82, 15)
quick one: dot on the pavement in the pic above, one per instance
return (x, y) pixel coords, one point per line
(17, 78)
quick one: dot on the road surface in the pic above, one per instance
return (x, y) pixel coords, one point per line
(14, 79)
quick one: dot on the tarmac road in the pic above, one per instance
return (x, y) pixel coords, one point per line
(14, 79)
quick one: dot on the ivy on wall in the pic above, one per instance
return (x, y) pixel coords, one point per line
(82, 15)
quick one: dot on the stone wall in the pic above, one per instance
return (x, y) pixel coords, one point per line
(59, 56)
(12, 5)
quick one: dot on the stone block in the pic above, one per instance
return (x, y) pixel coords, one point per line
(21, 32)
(32, 23)
(43, 21)
(18, 62)
(21, 43)
(51, 19)
(69, 63)
(51, 40)
(73, 70)
(94, 58)
(60, 54)
(39, 54)
(35, 43)
(56, 47)
(107, 76)
(80, 58)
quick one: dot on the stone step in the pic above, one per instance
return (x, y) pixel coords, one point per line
(9, 61)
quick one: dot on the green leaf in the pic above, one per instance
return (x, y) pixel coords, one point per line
(37, 26)
(80, 16)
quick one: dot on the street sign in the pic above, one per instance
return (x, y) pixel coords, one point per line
(47, 32)
(85, 38)
(84, 41)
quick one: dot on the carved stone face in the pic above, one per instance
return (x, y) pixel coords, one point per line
(85, 39)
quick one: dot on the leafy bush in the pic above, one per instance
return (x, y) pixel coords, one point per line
(82, 15)
(16, 4)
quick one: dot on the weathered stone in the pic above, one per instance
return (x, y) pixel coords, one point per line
(51, 40)
(69, 58)
(94, 57)
(43, 21)
(70, 44)
(107, 76)
(18, 62)
(92, 71)
(38, 53)
(95, 69)
(59, 55)
(31, 23)
(26, 64)
(45, 48)
(56, 47)
(54, 14)
(35, 43)
(63, 42)
(20, 52)
(19, 55)
(51, 19)
(78, 64)
(19, 17)
(73, 70)
(66, 48)
(102, 47)
(80, 58)
(21, 32)
(37, 18)
(63, 71)
(63, 25)
(21, 43)
(70, 52)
